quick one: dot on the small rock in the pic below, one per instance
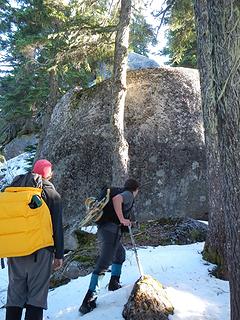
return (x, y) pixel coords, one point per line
(73, 270)
(148, 300)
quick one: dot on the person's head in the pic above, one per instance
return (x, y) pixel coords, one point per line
(132, 185)
(44, 168)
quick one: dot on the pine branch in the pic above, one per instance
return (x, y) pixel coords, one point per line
(163, 11)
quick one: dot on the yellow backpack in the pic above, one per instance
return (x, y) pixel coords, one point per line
(25, 222)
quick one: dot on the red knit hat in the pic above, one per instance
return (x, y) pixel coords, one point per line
(43, 167)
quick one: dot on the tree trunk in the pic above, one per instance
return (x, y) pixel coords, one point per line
(120, 159)
(224, 29)
(215, 246)
(225, 26)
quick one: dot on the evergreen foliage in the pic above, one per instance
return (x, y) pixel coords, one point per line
(141, 35)
(70, 38)
(181, 46)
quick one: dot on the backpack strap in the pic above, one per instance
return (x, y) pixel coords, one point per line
(2, 263)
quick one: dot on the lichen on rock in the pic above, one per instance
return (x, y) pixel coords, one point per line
(148, 300)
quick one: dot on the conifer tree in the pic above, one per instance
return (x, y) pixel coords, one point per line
(218, 48)
(46, 37)
(181, 46)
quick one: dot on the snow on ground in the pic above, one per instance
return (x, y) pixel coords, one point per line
(13, 167)
(194, 293)
(90, 229)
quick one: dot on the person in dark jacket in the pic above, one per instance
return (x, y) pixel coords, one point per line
(29, 275)
(116, 214)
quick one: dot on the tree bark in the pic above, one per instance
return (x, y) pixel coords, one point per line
(120, 159)
(224, 29)
(225, 25)
(215, 246)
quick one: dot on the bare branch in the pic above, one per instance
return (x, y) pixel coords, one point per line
(163, 11)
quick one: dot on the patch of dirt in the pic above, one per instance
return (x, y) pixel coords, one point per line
(168, 231)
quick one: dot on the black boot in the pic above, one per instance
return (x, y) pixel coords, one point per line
(114, 283)
(13, 313)
(89, 302)
(33, 313)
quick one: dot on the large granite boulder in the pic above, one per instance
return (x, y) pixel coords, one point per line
(164, 129)
(137, 61)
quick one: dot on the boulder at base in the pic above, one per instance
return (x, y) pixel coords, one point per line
(148, 300)
(164, 129)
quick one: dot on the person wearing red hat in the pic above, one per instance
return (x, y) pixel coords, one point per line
(44, 168)
(29, 275)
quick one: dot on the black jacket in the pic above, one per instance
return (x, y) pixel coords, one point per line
(54, 203)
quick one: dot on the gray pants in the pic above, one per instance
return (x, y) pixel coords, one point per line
(29, 279)
(112, 250)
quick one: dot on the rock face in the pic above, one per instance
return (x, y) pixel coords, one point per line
(18, 145)
(137, 61)
(165, 134)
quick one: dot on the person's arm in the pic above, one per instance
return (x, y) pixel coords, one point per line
(57, 232)
(54, 203)
(56, 213)
(117, 204)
